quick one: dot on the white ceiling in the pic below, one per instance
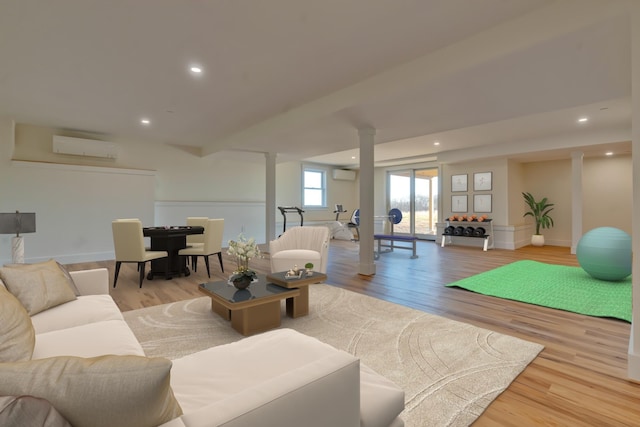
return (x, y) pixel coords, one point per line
(299, 77)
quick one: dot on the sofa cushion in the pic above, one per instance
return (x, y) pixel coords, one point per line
(381, 401)
(293, 382)
(91, 282)
(70, 281)
(236, 367)
(105, 391)
(83, 310)
(285, 260)
(29, 411)
(16, 330)
(298, 397)
(92, 339)
(38, 286)
(297, 254)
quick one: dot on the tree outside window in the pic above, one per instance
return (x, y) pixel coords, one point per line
(314, 194)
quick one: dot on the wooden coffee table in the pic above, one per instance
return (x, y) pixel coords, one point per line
(297, 306)
(252, 310)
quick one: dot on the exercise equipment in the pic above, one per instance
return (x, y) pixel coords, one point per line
(395, 217)
(290, 209)
(605, 253)
(462, 227)
(338, 210)
(479, 232)
(355, 223)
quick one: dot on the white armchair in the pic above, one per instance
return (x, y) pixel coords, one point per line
(298, 246)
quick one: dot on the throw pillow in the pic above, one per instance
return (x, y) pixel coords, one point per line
(29, 411)
(16, 330)
(69, 279)
(60, 266)
(104, 391)
(38, 286)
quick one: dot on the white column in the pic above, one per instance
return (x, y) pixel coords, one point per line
(576, 199)
(367, 265)
(270, 197)
(633, 364)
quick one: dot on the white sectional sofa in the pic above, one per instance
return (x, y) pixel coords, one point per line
(279, 378)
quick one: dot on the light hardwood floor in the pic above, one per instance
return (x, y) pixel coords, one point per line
(579, 379)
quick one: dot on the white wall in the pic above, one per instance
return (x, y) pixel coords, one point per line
(607, 194)
(552, 180)
(608, 197)
(289, 193)
(516, 186)
(245, 218)
(160, 184)
(74, 204)
(498, 192)
(180, 174)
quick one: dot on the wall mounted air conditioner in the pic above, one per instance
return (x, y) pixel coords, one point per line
(344, 175)
(84, 147)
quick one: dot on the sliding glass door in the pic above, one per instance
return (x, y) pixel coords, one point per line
(415, 193)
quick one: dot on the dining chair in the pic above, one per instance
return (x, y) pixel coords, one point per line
(128, 242)
(196, 221)
(196, 240)
(146, 247)
(213, 231)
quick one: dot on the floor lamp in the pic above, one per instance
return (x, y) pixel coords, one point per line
(17, 223)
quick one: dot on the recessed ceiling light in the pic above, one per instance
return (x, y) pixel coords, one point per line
(353, 157)
(583, 119)
(609, 153)
(145, 121)
(436, 143)
(195, 69)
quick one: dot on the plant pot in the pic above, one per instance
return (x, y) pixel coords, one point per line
(537, 240)
(242, 282)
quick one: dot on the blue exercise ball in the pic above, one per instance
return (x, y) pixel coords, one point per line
(605, 253)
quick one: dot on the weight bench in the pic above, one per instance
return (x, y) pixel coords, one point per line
(392, 238)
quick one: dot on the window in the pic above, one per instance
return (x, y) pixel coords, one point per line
(315, 188)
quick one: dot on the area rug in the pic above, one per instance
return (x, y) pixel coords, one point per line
(555, 286)
(450, 371)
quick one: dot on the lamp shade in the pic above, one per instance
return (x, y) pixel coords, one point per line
(17, 222)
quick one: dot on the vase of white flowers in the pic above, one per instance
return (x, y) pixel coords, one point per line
(243, 250)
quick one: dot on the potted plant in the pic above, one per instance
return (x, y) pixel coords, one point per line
(309, 268)
(539, 211)
(243, 250)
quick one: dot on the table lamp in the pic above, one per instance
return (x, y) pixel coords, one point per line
(17, 222)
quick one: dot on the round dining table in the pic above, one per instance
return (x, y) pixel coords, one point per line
(170, 239)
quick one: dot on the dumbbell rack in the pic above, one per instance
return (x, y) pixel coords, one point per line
(450, 238)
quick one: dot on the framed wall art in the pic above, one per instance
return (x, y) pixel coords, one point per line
(458, 183)
(482, 202)
(482, 181)
(459, 203)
